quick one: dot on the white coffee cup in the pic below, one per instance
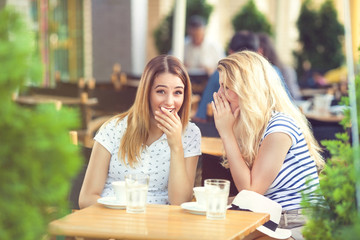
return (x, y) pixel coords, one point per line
(120, 191)
(200, 196)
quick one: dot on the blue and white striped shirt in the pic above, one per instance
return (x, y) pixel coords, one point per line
(298, 173)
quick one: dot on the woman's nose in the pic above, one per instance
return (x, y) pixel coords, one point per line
(220, 90)
(169, 100)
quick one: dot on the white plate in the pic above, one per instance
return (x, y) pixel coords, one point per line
(110, 202)
(194, 208)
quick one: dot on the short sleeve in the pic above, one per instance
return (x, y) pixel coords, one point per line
(110, 133)
(192, 141)
(284, 124)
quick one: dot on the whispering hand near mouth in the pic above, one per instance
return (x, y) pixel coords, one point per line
(170, 123)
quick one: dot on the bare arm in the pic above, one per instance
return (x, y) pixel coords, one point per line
(268, 161)
(266, 166)
(181, 179)
(95, 176)
(182, 170)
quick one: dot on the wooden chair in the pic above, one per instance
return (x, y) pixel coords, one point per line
(79, 178)
(92, 127)
(90, 122)
(195, 99)
(118, 78)
(112, 101)
(73, 137)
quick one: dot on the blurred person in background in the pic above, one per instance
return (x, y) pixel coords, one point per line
(200, 54)
(268, 50)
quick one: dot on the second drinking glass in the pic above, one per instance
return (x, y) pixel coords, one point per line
(136, 192)
(217, 193)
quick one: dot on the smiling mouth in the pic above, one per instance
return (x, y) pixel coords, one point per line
(171, 110)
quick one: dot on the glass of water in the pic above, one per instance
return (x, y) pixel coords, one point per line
(217, 193)
(136, 192)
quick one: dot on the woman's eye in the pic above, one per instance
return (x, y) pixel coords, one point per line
(160, 91)
(178, 92)
(224, 86)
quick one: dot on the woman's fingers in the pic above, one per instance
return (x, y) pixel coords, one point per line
(221, 102)
(167, 119)
(213, 107)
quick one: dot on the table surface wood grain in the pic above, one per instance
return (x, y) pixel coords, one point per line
(159, 222)
(212, 146)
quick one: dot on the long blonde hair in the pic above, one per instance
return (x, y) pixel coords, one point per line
(139, 115)
(260, 93)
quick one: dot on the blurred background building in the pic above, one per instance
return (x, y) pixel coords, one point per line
(85, 38)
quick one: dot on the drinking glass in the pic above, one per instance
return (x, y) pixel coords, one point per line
(136, 192)
(217, 193)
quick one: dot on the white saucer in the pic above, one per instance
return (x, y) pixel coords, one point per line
(194, 208)
(110, 202)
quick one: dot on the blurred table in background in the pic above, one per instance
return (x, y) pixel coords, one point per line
(212, 146)
(324, 117)
(39, 98)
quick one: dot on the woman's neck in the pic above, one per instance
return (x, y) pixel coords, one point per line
(154, 133)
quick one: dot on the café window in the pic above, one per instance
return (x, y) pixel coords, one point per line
(60, 37)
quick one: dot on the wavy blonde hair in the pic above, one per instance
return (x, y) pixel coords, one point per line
(139, 115)
(260, 93)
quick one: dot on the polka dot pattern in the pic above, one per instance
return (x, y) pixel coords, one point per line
(155, 159)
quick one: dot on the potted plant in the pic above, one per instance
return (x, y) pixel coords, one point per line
(251, 19)
(320, 35)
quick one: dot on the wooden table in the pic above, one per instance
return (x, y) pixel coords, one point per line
(311, 92)
(39, 98)
(212, 146)
(159, 222)
(324, 117)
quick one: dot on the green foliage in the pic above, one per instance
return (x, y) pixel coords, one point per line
(330, 37)
(18, 64)
(338, 207)
(336, 216)
(198, 7)
(320, 36)
(251, 19)
(163, 33)
(37, 160)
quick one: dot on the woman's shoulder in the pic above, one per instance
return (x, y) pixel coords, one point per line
(115, 122)
(280, 116)
(283, 121)
(192, 125)
(192, 128)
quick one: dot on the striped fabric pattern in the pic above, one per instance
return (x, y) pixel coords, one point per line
(299, 173)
